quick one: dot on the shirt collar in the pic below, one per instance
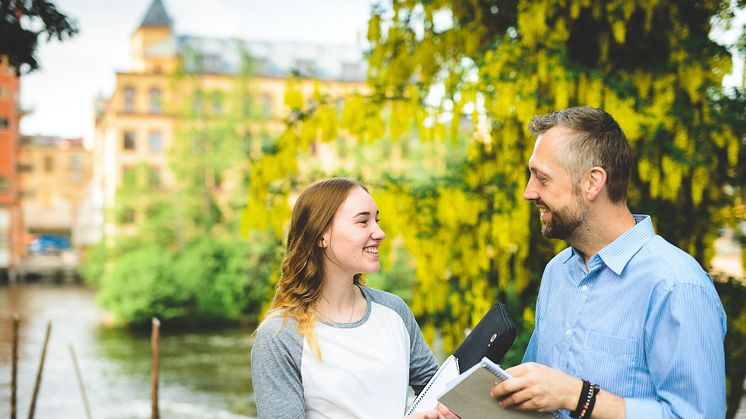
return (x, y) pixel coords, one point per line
(617, 253)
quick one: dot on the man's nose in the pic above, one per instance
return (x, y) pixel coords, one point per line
(530, 193)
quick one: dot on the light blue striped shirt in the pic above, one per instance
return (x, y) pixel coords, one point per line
(644, 323)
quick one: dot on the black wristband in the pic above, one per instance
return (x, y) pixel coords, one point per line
(582, 399)
(592, 402)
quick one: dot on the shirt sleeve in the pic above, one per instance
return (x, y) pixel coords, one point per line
(684, 335)
(422, 363)
(275, 370)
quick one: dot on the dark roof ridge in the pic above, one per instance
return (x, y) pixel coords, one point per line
(156, 15)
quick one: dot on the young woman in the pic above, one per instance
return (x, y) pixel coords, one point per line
(331, 347)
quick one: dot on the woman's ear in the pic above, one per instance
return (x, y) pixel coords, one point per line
(324, 240)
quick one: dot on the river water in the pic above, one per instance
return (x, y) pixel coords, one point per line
(204, 374)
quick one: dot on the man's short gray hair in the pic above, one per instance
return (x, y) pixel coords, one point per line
(598, 140)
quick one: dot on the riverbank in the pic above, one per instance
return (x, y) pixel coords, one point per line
(204, 373)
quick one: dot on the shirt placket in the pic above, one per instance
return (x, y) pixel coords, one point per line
(573, 327)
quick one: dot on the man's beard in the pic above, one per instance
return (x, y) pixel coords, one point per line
(564, 221)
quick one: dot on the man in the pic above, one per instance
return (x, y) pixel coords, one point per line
(622, 308)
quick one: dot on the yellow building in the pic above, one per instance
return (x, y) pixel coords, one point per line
(139, 122)
(55, 174)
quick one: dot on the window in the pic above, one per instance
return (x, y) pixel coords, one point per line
(76, 167)
(129, 140)
(155, 100)
(266, 104)
(210, 63)
(4, 123)
(48, 164)
(24, 167)
(305, 67)
(3, 91)
(4, 184)
(129, 99)
(155, 141)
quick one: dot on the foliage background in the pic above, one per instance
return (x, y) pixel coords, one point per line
(440, 136)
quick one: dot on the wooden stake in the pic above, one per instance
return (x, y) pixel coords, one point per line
(14, 368)
(39, 373)
(155, 367)
(80, 382)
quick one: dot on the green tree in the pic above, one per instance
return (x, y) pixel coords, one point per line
(22, 22)
(178, 253)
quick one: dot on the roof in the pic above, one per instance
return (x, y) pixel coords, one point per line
(156, 15)
(223, 56)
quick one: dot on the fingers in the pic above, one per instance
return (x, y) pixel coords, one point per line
(445, 413)
(515, 400)
(508, 387)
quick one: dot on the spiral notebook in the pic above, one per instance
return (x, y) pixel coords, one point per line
(468, 396)
(428, 398)
(490, 338)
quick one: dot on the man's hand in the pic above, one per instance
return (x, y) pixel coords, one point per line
(538, 387)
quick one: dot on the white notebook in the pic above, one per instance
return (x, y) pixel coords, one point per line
(428, 398)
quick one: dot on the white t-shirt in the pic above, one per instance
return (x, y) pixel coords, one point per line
(364, 371)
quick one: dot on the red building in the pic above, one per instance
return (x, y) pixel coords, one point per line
(11, 226)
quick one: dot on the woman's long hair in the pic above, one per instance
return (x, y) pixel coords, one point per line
(302, 270)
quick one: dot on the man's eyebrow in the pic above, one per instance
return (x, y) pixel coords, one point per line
(535, 170)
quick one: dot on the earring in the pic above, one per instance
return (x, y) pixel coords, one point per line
(322, 244)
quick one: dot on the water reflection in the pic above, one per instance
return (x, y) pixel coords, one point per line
(203, 373)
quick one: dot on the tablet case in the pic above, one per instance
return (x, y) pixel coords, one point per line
(490, 338)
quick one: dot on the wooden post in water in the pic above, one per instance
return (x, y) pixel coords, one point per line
(39, 373)
(14, 368)
(155, 335)
(80, 382)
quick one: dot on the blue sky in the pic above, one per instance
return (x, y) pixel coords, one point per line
(60, 95)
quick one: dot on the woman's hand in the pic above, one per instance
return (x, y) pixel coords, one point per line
(430, 414)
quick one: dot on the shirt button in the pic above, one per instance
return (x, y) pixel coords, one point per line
(568, 332)
(584, 288)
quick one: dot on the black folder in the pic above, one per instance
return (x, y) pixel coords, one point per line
(490, 338)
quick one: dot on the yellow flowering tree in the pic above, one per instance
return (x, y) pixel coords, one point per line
(481, 70)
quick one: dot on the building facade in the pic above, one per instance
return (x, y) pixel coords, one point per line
(55, 174)
(175, 74)
(10, 215)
